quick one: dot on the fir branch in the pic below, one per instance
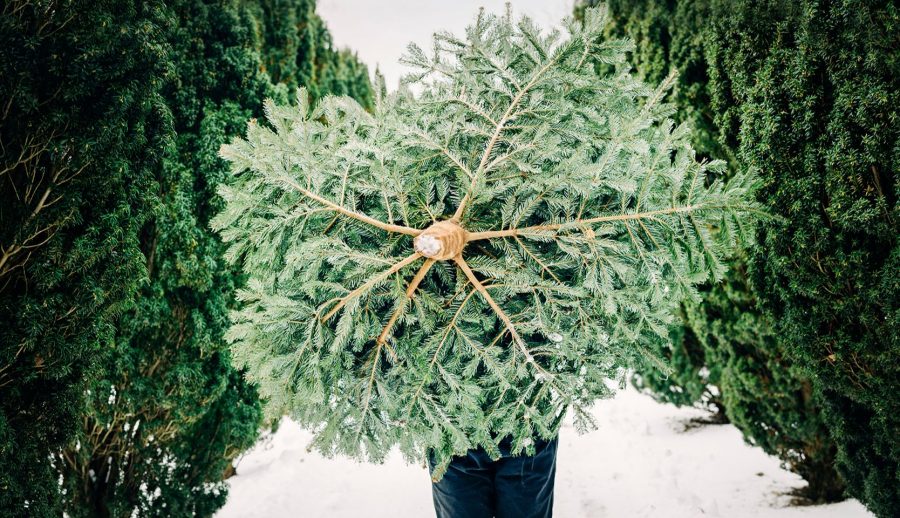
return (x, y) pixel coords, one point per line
(537, 230)
(489, 147)
(370, 283)
(351, 214)
(413, 284)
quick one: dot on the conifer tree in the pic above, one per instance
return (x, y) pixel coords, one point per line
(170, 412)
(476, 260)
(141, 447)
(814, 88)
(297, 50)
(808, 92)
(82, 134)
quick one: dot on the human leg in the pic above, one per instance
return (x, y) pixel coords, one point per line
(467, 489)
(524, 484)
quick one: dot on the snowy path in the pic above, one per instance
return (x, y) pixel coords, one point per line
(638, 464)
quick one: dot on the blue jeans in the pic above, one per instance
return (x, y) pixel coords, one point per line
(510, 487)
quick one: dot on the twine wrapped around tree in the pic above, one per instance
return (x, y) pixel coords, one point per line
(442, 240)
(473, 261)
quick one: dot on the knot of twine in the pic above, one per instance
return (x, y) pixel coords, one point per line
(441, 241)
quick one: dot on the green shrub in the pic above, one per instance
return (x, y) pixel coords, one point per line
(171, 412)
(727, 337)
(811, 91)
(83, 129)
(143, 445)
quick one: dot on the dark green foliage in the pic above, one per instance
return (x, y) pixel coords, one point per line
(83, 129)
(111, 117)
(814, 88)
(171, 412)
(809, 93)
(350, 77)
(150, 425)
(726, 353)
(297, 51)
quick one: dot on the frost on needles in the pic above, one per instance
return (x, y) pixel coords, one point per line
(476, 259)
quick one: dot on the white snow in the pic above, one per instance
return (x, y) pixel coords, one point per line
(640, 463)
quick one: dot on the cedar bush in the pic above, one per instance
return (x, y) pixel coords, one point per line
(814, 88)
(83, 129)
(809, 92)
(726, 355)
(171, 413)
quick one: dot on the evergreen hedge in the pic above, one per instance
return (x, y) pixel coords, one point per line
(83, 130)
(144, 444)
(172, 412)
(815, 89)
(809, 93)
(132, 395)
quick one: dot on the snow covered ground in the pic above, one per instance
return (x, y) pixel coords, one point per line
(640, 463)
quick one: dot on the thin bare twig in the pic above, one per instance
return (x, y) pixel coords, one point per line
(410, 290)
(400, 229)
(370, 283)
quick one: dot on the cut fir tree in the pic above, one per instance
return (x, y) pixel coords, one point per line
(469, 262)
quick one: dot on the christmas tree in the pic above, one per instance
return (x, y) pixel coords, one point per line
(471, 261)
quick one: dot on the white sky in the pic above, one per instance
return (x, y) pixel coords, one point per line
(379, 30)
